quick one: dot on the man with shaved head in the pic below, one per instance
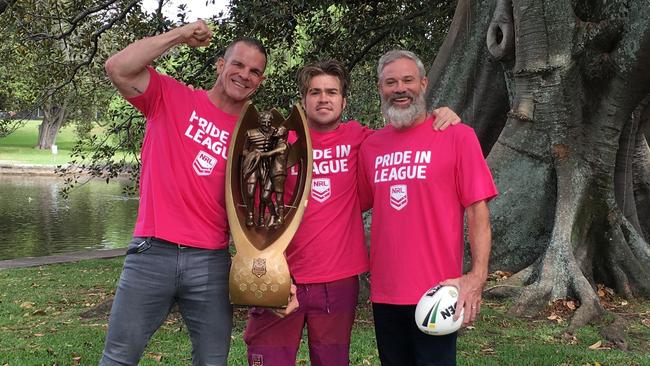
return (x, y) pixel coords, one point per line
(179, 253)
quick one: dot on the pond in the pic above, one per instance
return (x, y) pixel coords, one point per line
(36, 221)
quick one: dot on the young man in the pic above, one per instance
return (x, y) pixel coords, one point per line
(179, 250)
(420, 185)
(328, 252)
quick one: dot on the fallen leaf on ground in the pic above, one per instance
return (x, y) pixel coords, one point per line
(156, 356)
(596, 345)
(555, 318)
(27, 305)
(499, 275)
(646, 322)
(599, 346)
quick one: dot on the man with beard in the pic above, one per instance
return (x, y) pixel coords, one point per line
(328, 251)
(420, 185)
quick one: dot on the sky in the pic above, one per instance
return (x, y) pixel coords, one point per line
(195, 8)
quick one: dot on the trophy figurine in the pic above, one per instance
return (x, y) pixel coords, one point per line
(262, 218)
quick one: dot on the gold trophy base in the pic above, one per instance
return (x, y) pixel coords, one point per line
(262, 280)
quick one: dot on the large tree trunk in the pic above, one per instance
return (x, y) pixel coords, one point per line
(465, 79)
(572, 160)
(53, 119)
(641, 169)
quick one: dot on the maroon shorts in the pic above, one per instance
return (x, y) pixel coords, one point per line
(328, 309)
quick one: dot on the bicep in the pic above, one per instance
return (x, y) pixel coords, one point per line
(132, 85)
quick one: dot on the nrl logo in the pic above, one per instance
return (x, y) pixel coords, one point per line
(259, 267)
(258, 360)
(321, 189)
(398, 196)
(204, 163)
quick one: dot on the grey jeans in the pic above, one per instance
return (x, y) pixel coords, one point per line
(155, 278)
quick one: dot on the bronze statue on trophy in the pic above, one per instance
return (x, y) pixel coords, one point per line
(262, 219)
(264, 169)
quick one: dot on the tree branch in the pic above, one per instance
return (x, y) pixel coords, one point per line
(388, 28)
(366, 49)
(95, 40)
(74, 23)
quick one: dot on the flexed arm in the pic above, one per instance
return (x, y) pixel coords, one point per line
(127, 68)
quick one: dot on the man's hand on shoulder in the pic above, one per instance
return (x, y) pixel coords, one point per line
(445, 117)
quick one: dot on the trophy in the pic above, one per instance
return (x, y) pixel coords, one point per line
(262, 218)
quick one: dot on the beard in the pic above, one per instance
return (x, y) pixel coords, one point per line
(403, 117)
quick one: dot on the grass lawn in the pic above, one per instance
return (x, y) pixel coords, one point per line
(45, 320)
(18, 147)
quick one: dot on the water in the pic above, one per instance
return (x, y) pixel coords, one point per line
(36, 221)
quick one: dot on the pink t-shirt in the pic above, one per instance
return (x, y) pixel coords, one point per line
(418, 183)
(183, 165)
(329, 244)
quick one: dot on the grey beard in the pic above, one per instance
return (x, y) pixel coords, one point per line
(403, 117)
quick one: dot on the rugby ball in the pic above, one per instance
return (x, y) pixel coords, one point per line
(434, 313)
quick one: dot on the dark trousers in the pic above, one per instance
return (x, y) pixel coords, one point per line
(401, 343)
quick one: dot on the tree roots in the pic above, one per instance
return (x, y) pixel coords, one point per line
(577, 254)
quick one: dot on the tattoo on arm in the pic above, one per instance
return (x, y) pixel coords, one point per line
(137, 90)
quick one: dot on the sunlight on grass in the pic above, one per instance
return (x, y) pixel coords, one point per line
(18, 147)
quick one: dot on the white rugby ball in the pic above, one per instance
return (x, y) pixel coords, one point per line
(434, 313)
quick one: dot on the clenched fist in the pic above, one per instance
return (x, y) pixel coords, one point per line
(196, 34)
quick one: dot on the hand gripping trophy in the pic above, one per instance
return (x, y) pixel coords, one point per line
(261, 222)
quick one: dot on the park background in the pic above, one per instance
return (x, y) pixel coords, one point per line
(557, 91)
